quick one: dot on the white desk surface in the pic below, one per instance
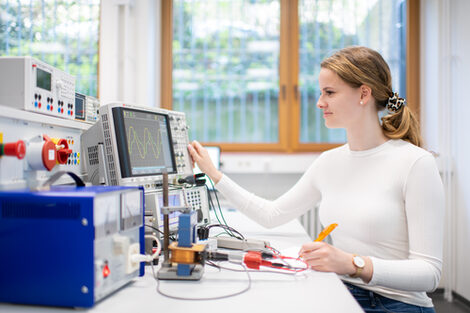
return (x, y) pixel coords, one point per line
(270, 292)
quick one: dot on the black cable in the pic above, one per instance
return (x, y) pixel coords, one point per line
(228, 230)
(154, 228)
(217, 198)
(205, 298)
(241, 237)
(211, 204)
(218, 203)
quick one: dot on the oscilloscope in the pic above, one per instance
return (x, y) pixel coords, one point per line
(133, 146)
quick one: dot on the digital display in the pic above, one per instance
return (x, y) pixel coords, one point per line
(43, 79)
(79, 106)
(144, 142)
(173, 200)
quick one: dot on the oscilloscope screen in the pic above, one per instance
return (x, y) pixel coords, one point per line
(144, 142)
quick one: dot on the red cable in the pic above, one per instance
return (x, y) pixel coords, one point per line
(254, 260)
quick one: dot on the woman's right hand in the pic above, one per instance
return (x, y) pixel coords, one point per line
(200, 155)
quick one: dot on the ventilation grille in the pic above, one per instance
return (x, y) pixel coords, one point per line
(93, 155)
(109, 151)
(34, 210)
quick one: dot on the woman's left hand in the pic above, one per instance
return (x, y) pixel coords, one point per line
(323, 257)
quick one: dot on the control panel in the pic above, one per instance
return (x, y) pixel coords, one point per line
(29, 84)
(179, 132)
(196, 198)
(86, 108)
(92, 109)
(33, 147)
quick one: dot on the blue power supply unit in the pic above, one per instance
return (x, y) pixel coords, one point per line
(69, 246)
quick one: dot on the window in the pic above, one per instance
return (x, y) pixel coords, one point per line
(58, 32)
(325, 26)
(246, 72)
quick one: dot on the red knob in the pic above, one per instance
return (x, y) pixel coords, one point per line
(17, 149)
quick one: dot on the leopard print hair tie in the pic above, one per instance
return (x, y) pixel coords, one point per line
(395, 103)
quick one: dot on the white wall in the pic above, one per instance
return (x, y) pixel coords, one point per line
(267, 175)
(445, 66)
(129, 60)
(460, 71)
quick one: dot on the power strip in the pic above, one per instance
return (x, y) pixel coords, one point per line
(237, 244)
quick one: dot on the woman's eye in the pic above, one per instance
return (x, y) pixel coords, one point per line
(329, 92)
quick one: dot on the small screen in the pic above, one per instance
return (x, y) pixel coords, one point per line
(144, 142)
(43, 79)
(79, 107)
(173, 200)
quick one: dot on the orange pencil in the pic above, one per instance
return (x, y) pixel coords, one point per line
(326, 232)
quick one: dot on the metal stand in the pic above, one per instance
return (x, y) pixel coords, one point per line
(168, 271)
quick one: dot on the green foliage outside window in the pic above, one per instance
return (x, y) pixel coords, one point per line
(61, 33)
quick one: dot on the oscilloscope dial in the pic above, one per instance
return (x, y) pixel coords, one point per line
(180, 142)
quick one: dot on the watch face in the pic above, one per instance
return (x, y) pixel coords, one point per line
(359, 262)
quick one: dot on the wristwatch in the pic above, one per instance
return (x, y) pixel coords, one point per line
(359, 264)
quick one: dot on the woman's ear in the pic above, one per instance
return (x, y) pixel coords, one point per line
(366, 93)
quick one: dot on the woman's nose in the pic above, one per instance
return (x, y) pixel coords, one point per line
(320, 103)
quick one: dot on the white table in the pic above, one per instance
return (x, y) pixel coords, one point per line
(270, 292)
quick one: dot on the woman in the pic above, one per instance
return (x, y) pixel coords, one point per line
(382, 189)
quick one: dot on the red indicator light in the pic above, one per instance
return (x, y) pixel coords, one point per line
(106, 271)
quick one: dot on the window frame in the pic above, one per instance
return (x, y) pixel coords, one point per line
(289, 104)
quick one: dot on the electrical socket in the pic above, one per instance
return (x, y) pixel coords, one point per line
(132, 266)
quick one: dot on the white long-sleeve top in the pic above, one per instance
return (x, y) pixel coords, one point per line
(388, 202)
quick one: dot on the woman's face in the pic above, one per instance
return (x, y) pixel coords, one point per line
(338, 100)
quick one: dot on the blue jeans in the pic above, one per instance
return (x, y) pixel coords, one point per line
(375, 303)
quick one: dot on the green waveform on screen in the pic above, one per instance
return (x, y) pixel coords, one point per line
(144, 146)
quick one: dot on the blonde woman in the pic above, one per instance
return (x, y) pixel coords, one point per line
(380, 187)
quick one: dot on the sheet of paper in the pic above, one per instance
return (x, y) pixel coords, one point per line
(293, 252)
